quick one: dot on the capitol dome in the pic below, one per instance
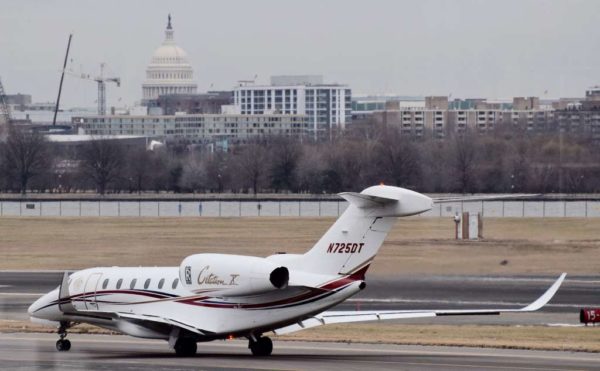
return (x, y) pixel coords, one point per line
(169, 71)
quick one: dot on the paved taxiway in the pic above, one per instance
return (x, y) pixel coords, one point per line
(103, 352)
(19, 289)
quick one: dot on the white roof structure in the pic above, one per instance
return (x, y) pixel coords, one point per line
(76, 138)
(169, 71)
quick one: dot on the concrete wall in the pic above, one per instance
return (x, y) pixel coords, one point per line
(285, 208)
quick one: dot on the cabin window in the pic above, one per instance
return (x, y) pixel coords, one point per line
(104, 284)
(174, 286)
(132, 285)
(147, 283)
(119, 283)
(161, 283)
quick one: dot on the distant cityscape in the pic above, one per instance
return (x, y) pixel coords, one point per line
(171, 110)
(296, 133)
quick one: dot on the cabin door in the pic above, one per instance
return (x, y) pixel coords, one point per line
(90, 289)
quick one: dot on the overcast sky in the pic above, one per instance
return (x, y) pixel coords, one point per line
(494, 49)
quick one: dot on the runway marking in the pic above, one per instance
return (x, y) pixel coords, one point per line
(477, 352)
(565, 325)
(34, 271)
(20, 294)
(467, 365)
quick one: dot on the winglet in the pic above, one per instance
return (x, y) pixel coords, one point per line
(545, 298)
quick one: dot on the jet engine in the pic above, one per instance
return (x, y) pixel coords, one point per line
(231, 275)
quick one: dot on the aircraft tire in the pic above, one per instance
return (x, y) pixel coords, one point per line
(262, 347)
(186, 347)
(63, 345)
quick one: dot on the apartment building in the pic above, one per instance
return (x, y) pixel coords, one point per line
(327, 107)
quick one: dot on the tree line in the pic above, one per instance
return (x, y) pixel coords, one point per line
(497, 162)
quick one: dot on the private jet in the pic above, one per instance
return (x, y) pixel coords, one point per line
(220, 296)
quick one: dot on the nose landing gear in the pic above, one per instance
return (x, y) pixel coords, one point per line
(62, 344)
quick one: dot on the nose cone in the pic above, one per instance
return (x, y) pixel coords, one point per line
(46, 307)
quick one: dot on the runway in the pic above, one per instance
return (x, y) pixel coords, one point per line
(102, 352)
(19, 289)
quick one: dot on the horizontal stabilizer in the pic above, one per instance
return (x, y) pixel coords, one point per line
(388, 201)
(364, 201)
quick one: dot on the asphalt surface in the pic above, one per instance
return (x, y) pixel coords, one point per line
(103, 352)
(19, 289)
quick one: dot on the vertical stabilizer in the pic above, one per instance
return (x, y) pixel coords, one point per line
(355, 238)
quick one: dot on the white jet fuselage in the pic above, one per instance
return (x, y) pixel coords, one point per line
(123, 298)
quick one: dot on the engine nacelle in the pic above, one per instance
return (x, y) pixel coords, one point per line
(231, 275)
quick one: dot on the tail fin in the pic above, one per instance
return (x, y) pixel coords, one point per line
(352, 242)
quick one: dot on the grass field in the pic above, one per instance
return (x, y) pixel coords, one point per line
(415, 245)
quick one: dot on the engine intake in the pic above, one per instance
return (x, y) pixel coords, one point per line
(280, 277)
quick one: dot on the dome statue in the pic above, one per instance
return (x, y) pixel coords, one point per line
(169, 71)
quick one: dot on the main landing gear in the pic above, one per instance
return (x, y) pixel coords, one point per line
(62, 344)
(185, 347)
(261, 346)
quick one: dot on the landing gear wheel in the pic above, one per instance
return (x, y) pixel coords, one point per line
(185, 347)
(63, 345)
(262, 347)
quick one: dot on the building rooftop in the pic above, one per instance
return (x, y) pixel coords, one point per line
(72, 138)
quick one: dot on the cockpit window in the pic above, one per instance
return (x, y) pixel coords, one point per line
(105, 284)
(119, 283)
(161, 283)
(132, 285)
(147, 283)
(174, 286)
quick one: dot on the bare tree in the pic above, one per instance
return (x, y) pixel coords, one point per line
(398, 159)
(284, 155)
(218, 171)
(252, 166)
(102, 162)
(310, 170)
(192, 175)
(24, 157)
(138, 168)
(464, 152)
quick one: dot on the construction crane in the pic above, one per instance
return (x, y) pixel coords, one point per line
(4, 107)
(101, 80)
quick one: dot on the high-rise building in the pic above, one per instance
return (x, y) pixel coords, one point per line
(327, 106)
(169, 71)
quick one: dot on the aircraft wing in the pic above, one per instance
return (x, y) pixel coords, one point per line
(331, 317)
(441, 200)
(165, 320)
